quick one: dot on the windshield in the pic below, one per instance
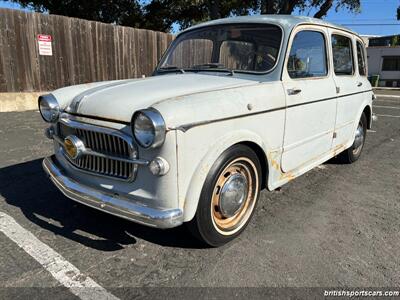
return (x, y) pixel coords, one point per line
(231, 47)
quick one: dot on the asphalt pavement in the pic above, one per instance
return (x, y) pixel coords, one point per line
(335, 226)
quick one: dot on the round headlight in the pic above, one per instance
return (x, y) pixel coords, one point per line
(49, 108)
(148, 128)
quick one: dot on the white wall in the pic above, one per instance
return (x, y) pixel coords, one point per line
(375, 59)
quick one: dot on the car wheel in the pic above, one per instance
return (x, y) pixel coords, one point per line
(354, 152)
(228, 197)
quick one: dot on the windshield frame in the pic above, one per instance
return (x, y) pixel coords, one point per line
(159, 71)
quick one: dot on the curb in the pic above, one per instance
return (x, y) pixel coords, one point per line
(10, 102)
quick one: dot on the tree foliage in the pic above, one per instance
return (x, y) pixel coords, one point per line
(322, 7)
(162, 14)
(187, 13)
(121, 12)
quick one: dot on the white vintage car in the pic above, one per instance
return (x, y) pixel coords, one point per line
(235, 106)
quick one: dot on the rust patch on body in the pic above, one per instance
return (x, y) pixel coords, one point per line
(338, 149)
(289, 176)
(274, 157)
(275, 165)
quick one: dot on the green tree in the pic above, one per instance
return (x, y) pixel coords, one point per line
(162, 14)
(287, 7)
(121, 12)
(395, 41)
(189, 12)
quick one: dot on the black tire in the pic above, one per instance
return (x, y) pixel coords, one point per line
(352, 154)
(235, 171)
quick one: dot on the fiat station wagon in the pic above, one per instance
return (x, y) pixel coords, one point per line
(234, 106)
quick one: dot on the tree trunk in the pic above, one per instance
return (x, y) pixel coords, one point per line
(323, 9)
(288, 7)
(268, 7)
(214, 9)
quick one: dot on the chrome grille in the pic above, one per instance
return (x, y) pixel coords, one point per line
(105, 143)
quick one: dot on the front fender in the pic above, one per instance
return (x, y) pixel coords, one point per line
(193, 191)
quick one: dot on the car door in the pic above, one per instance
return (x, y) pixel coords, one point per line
(349, 85)
(310, 98)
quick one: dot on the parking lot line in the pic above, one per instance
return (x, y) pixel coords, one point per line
(63, 271)
(391, 116)
(391, 101)
(387, 96)
(383, 106)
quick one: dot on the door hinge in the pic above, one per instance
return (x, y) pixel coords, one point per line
(337, 90)
(334, 135)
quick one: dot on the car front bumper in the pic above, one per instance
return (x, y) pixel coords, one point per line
(113, 204)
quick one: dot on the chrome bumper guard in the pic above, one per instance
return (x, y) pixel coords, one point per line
(109, 203)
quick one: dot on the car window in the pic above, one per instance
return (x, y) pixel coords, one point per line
(391, 63)
(361, 59)
(307, 56)
(342, 55)
(237, 55)
(247, 48)
(191, 52)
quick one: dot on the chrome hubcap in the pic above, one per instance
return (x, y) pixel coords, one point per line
(233, 195)
(359, 139)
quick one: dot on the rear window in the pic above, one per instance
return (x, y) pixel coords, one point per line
(342, 55)
(362, 70)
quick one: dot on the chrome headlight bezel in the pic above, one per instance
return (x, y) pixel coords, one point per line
(158, 128)
(49, 108)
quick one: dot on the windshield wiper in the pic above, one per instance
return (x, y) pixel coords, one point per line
(172, 69)
(213, 66)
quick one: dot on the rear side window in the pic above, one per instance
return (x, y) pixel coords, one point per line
(362, 70)
(342, 55)
(307, 57)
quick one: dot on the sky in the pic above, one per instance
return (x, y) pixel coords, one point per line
(370, 21)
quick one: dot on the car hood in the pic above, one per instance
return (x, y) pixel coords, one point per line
(118, 100)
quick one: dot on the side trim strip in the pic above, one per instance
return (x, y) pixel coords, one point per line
(188, 126)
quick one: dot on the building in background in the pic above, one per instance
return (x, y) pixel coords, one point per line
(384, 59)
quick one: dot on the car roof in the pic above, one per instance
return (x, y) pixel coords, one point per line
(287, 22)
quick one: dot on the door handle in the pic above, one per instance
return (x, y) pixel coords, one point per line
(294, 91)
(359, 84)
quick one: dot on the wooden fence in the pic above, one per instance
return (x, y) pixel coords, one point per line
(82, 51)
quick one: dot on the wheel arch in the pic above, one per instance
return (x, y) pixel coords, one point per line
(262, 157)
(368, 113)
(244, 137)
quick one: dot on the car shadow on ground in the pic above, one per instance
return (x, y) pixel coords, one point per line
(27, 187)
(337, 160)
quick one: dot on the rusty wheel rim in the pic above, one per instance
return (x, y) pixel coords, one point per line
(240, 167)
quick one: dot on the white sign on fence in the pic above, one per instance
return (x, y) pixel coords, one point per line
(44, 41)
